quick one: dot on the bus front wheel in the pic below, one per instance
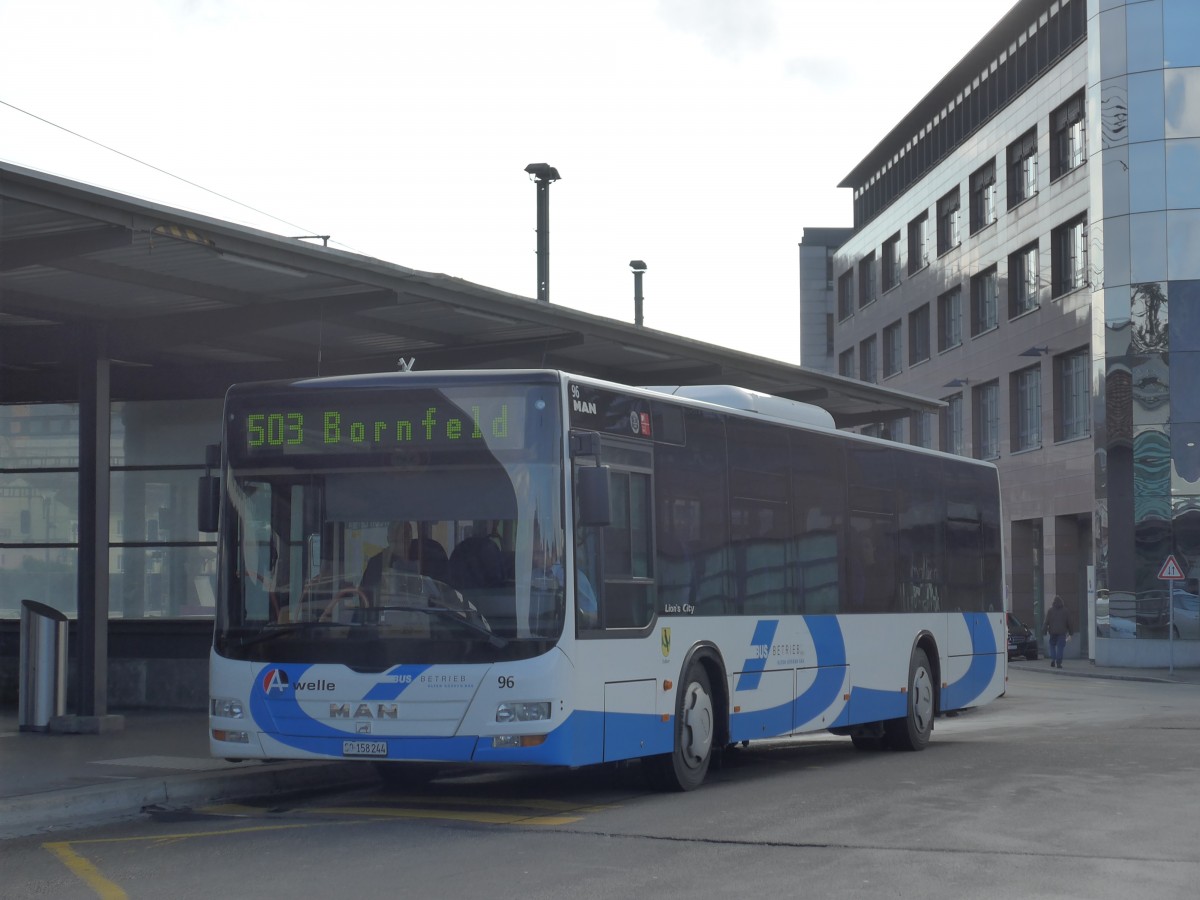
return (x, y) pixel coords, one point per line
(695, 725)
(913, 731)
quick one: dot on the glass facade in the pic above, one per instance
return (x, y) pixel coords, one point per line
(159, 564)
(1070, 303)
(1144, 197)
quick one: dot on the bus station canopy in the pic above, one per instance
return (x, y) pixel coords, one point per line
(183, 305)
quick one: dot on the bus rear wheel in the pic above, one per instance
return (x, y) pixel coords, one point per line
(913, 731)
(695, 726)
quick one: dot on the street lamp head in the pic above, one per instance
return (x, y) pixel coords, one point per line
(542, 172)
(637, 265)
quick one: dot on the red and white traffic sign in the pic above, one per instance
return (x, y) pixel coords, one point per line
(1170, 570)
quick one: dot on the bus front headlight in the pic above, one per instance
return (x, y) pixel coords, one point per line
(523, 711)
(225, 708)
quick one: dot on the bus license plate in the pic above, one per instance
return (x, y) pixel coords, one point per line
(364, 748)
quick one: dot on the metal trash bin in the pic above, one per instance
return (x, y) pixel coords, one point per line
(42, 693)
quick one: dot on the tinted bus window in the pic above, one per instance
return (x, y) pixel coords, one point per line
(818, 516)
(692, 523)
(760, 519)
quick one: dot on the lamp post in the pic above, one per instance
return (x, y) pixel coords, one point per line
(639, 269)
(543, 175)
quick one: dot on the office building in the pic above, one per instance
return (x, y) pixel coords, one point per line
(1026, 248)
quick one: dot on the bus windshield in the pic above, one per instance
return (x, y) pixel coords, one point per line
(406, 524)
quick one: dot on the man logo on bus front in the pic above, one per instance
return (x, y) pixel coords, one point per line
(666, 641)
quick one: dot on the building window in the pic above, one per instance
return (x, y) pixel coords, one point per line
(950, 319)
(866, 280)
(1023, 281)
(952, 425)
(845, 295)
(1067, 125)
(892, 349)
(1072, 390)
(1068, 263)
(868, 360)
(918, 243)
(891, 262)
(920, 426)
(984, 288)
(918, 335)
(983, 196)
(846, 363)
(986, 402)
(1026, 393)
(947, 213)
(1022, 168)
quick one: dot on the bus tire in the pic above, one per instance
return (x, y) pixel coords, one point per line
(913, 731)
(686, 766)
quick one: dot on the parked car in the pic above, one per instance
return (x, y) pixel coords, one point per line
(1021, 639)
(1186, 615)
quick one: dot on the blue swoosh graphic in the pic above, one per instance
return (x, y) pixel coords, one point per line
(752, 669)
(983, 665)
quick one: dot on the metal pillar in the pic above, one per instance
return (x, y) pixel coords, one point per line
(92, 591)
(544, 175)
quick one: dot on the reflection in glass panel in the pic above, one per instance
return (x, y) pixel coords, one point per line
(1185, 616)
(1147, 177)
(1182, 102)
(39, 436)
(1114, 112)
(1116, 315)
(1181, 22)
(1146, 107)
(45, 574)
(1183, 173)
(1144, 29)
(1115, 247)
(1183, 244)
(1147, 246)
(1112, 42)
(1148, 316)
(164, 432)
(39, 508)
(155, 505)
(1114, 201)
(154, 582)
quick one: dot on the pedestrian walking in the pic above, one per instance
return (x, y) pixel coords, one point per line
(1058, 626)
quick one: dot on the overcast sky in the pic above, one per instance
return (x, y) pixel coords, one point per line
(701, 136)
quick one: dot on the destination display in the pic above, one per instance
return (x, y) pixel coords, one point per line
(300, 425)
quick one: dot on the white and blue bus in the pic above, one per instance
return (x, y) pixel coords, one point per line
(537, 568)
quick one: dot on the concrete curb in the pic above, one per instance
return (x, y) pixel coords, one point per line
(1106, 674)
(64, 809)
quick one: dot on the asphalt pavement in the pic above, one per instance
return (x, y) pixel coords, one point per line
(52, 782)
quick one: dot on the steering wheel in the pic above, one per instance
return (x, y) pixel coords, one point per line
(332, 610)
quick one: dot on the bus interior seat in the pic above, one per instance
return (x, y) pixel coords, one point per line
(432, 556)
(476, 563)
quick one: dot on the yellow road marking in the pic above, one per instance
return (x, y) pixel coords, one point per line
(517, 802)
(107, 890)
(487, 818)
(86, 872)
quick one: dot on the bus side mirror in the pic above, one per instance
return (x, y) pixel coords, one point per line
(593, 496)
(208, 503)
